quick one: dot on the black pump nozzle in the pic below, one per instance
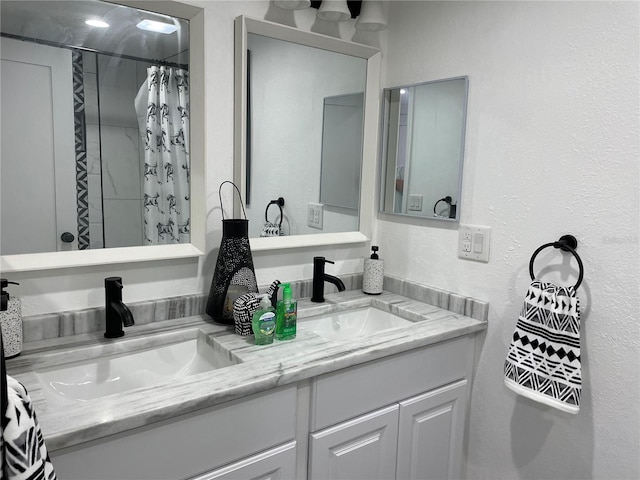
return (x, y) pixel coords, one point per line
(374, 255)
(4, 296)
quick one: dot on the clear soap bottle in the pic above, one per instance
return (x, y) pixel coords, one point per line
(287, 315)
(264, 322)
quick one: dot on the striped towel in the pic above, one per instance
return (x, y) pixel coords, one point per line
(24, 453)
(543, 362)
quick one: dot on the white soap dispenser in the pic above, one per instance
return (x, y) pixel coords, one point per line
(10, 321)
(373, 276)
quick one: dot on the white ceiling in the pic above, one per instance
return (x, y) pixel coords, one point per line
(62, 22)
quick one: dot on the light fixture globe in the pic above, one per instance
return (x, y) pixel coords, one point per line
(94, 22)
(157, 27)
(371, 16)
(293, 4)
(334, 11)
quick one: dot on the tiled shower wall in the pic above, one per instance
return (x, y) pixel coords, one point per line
(114, 151)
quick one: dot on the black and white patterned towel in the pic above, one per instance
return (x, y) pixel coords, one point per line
(543, 362)
(24, 453)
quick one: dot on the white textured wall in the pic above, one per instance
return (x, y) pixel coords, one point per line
(552, 148)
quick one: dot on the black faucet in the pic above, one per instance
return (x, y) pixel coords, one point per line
(319, 277)
(117, 313)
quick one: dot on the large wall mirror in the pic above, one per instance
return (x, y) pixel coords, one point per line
(423, 149)
(306, 126)
(102, 132)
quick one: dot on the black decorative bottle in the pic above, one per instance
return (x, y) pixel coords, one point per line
(234, 274)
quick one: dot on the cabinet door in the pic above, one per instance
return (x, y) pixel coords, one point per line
(431, 432)
(275, 464)
(362, 448)
(188, 444)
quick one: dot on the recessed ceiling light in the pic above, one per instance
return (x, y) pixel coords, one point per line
(97, 23)
(159, 27)
(402, 91)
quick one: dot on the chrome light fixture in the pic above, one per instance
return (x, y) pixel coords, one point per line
(369, 13)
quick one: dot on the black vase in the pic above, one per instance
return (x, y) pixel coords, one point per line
(234, 274)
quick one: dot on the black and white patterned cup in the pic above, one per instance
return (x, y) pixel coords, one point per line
(11, 324)
(373, 276)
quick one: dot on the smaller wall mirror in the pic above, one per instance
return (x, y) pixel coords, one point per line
(422, 150)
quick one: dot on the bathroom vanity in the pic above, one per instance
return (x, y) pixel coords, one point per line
(389, 404)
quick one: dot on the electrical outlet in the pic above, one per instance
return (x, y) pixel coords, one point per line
(473, 242)
(315, 212)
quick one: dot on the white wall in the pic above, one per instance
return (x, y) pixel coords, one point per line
(71, 289)
(551, 148)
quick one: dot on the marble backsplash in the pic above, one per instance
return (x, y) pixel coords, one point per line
(453, 302)
(62, 324)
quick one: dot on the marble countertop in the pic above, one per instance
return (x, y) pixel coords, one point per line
(260, 367)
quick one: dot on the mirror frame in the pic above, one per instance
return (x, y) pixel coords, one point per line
(83, 258)
(244, 26)
(383, 161)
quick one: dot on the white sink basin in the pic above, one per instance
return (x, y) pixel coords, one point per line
(352, 323)
(98, 377)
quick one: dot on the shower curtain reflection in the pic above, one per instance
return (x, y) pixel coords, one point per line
(162, 106)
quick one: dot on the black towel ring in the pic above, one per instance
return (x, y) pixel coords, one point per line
(567, 243)
(280, 203)
(452, 207)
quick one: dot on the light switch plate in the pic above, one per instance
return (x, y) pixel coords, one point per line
(415, 202)
(474, 242)
(314, 215)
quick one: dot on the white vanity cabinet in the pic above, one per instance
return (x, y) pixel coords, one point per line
(362, 448)
(431, 434)
(255, 436)
(277, 463)
(417, 434)
(399, 417)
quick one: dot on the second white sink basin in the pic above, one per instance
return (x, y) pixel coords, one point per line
(98, 377)
(353, 323)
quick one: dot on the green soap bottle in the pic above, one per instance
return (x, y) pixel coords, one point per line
(263, 322)
(287, 315)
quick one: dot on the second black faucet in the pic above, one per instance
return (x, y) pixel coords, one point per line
(117, 313)
(319, 277)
